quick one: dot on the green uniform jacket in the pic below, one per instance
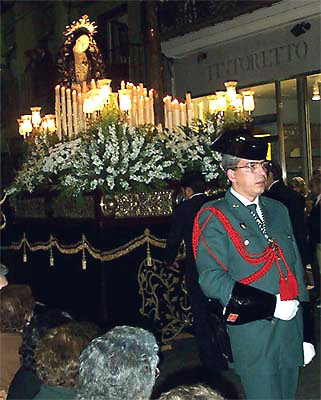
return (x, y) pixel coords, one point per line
(262, 345)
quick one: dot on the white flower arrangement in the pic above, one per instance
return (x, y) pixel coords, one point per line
(115, 157)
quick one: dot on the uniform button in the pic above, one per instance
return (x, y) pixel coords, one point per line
(289, 236)
(246, 242)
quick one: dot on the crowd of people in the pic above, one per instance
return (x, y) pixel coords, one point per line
(48, 355)
(248, 253)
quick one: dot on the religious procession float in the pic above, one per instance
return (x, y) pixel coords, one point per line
(97, 171)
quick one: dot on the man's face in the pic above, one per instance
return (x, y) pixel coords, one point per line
(3, 281)
(248, 178)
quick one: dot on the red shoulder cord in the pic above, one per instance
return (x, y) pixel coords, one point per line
(271, 253)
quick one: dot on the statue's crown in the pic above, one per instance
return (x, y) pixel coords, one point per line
(82, 23)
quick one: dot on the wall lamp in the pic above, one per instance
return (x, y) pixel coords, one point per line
(316, 91)
(301, 28)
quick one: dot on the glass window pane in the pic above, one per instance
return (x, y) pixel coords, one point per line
(264, 114)
(293, 140)
(314, 87)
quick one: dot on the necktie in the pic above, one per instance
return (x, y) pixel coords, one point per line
(255, 215)
(252, 208)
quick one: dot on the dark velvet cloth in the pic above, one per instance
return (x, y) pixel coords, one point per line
(181, 229)
(295, 204)
(25, 385)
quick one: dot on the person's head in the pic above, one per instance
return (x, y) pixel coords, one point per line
(35, 330)
(57, 353)
(191, 392)
(298, 184)
(274, 173)
(121, 364)
(3, 273)
(16, 305)
(192, 182)
(247, 177)
(243, 159)
(315, 185)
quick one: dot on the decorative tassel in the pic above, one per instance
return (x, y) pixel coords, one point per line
(149, 257)
(51, 258)
(24, 257)
(83, 261)
(288, 287)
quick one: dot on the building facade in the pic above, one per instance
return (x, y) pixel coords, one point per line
(273, 51)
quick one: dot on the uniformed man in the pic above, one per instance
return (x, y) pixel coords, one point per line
(247, 258)
(193, 186)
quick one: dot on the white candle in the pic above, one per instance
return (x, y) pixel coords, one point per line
(183, 113)
(69, 114)
(58, 111)
(63, 110)
(147, 111)
(141, 117)
(176, 116)
(151, 105)
(134, 109)
(75, 111)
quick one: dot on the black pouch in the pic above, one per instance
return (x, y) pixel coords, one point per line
(218, 327)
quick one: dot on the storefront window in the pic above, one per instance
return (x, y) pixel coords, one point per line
(314, 93)
(264, 114)
(293, 137)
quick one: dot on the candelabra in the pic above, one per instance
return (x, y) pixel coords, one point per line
(33, 123)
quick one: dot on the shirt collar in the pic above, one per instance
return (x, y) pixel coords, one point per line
(273, 184)
(243, 199)
(196, 194)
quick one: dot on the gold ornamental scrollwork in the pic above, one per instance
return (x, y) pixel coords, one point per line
(136, 205)
(164, 298)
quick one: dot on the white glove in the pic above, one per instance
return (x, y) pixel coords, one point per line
(285, 309)
(308, 353)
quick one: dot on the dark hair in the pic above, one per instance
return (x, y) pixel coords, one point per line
(79, 32)
(58, 351)
(16, 304)
(33, 332)
(195, 180)
(276, 170)
(118, 365)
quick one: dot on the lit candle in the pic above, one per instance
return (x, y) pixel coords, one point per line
(201, 110)
(69, 113)
(134, 110)
(167, 106)
(81, 114)
(63, 110)
(57, 111)
(151, 104)
(183, 113)
(141, 119)
(35, 116)
(147, 111)
(175, 111)
(75, 111)
(189, 108)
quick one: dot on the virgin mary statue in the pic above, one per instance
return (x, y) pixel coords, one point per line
(79, 59)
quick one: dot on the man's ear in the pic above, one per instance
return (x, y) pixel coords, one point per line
(230, 173)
